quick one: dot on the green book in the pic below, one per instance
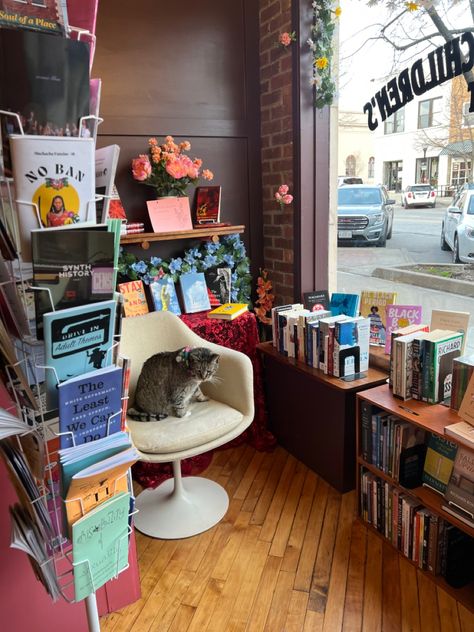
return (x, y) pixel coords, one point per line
(439, 460)
(100, 545)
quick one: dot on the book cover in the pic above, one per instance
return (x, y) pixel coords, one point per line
(459, 494)
(170, 214)
(439, 461)
(106, 160)
(208, 204)
(343, 303)
(351, 347)
(54, 181)
(453, 321)
(228, 311)
(316, 300)
(74, 266)
(90, 406)
(77, 340)
(461, 430)
(134, 303)
(398, 317)
(219, 282)
(463, 368)
(373, 305)
(441, 370)
(466, 409)
(82, 16)
(117, 211)
(194, 292)
(48, 16)
(100, 545)
(164, 296)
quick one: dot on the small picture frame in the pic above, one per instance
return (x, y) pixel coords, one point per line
(208, 205)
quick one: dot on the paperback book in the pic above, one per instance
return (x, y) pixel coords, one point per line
(459, 496)
(49, 16)
(82, 17)
(228, 311)
(398, 317)
(164, 296)
(463, 368)
(451, 320)
(73, 267)
(194, 292)
(218, 281)
(208, 204)
(134, 299)
(439, 461)
(316, 300)
(77, 341)
(90, 406)
(343, 303)
(373, 305)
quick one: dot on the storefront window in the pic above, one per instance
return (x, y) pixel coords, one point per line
(460, 172)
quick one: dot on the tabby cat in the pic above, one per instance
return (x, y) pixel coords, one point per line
(170, 380)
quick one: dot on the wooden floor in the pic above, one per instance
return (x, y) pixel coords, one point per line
(288, 556)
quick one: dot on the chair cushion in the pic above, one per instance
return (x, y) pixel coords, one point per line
(208, 421)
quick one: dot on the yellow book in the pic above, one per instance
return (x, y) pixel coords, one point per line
(228, 311)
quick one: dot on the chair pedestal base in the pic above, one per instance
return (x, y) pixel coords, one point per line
(180, 508)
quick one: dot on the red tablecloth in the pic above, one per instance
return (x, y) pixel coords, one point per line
(240, 334)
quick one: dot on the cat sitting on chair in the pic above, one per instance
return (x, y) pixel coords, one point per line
(170, 380)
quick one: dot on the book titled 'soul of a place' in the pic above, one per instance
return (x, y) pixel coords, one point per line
(90, 406)
(77, 341)
(54, 182)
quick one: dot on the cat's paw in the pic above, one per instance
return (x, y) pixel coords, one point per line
(182, 413)
(200, 397)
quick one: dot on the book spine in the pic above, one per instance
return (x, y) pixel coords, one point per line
(394, 528)
(330, 356)
(428, 369)
(366, 429)
(408, 370)
(416, 369)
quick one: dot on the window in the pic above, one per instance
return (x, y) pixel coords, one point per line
(395, 123)
(370, 167)
(460, 172)
(467, 117)
(429, 113)
(350, 165)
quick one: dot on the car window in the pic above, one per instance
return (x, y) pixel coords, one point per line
(461, 200)
(470, 208)
(421, 187)
(352, 197)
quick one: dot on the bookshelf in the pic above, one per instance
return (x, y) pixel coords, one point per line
(199, 233)
(312, 414)
(432, 418)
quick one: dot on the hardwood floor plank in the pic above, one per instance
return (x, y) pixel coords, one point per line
(309, 550)
(249, 476)
(222, 612)
(372, 612)
(263, 599)
(410, 606)
(226, 558)
(466, 618)
(239, 471)
(334, 614)
(279, 497)
(210, 599)
(265, 499)
(428, 599)
(354, 599)
(235, 507)
(391, 596)
(295, 541)
(296, 611)
(448, 612)
(248, 589)
(313, 621)
(234, 458)
(279, 607)
(222, 457)
(182, 618)
(285, 523)
(198, 552)
(322, 568)
(260, 479)
(171, 602)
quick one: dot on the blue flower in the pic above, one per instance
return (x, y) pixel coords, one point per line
(211, 247)
(175, 265)
(146, 278)
(155, 261)
(193, 269)
(209, 261)
(229, 259)
(188, 257)
(234, 293)
(240, 249)
(234, 278)
(194, 252)
(140, 267)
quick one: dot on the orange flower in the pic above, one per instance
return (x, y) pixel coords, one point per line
(185, 145)
(152, 142)
(207, 174)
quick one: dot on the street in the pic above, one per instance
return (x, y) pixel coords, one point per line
(415, 239)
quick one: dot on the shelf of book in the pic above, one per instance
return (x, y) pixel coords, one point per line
(432, 418)
(199, 233)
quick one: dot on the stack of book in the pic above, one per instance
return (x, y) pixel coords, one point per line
(131, 228)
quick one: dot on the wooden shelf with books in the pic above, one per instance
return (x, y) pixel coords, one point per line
(398, 500)
(198, 233)
(312, 414)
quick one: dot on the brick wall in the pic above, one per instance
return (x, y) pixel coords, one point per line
(277, 145)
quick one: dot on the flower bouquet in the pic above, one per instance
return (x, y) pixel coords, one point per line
(167, 168)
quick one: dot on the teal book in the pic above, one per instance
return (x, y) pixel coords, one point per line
(100, 545)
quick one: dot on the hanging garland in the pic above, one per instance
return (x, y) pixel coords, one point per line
(229, 252)
(321, 45)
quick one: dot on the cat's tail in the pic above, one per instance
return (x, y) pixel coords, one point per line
(139, 415)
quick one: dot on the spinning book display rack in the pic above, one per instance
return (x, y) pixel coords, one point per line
(62, 440)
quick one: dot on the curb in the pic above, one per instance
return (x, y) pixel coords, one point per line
(429, 281)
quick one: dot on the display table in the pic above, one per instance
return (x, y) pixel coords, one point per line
(240, 334)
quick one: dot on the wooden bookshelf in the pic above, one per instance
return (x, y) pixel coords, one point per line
(198, 233)
(313, 415)
(432, 418)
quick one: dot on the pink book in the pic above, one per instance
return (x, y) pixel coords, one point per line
(82, 16)
(398, 316)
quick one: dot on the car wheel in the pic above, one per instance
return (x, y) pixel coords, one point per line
(433, 205)
(444, 245)
(382, 242)
(456, 258)
(389, 234)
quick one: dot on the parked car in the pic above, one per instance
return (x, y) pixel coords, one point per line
(457, 229)
(419, 195)
(364, 215)
(467, 186)
(348, 180)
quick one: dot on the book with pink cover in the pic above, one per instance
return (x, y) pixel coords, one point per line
(398, 316)
(82, 16)
(170, 214)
